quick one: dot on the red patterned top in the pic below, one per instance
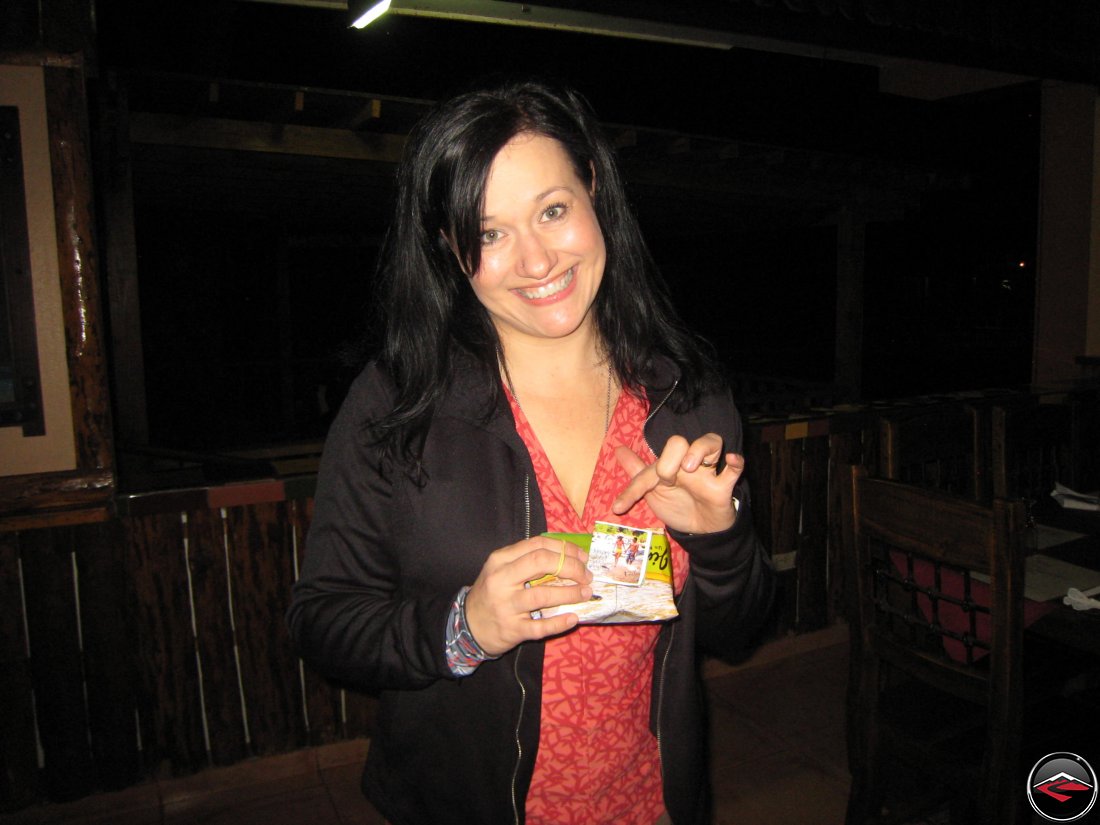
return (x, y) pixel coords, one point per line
(597, 760)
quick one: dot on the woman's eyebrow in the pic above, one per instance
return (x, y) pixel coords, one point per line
(541, 196)
(547, 193)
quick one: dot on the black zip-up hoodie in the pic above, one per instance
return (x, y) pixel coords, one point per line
(385, 558)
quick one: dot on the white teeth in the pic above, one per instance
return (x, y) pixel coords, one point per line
(552, 288)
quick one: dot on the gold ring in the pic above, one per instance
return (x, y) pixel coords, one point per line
(708, 463)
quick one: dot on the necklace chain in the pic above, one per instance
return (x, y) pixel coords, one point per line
(607, 402)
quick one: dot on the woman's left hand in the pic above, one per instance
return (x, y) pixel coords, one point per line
(681, 486)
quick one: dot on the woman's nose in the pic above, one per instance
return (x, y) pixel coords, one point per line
(536, 259)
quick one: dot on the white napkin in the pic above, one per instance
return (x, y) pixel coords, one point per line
(1081, 601)
(1073, 500)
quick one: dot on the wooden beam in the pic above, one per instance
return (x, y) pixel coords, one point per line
(247, 136)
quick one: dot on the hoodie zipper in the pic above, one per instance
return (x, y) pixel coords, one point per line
(515, 663)
(661, 697)
(519, 744)
(655, 410)
(672, 628)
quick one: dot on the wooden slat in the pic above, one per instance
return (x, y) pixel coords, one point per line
(18, 749)
(56, 662)
(221, 687)
(170, 705)
(262, 568)
(844, 449)
(110, 671)
(786, 495)
(813, 556)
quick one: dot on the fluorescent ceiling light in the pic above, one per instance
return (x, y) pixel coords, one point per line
(371, 14)
(541, 17)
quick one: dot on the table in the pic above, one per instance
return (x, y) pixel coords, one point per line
(1076, 629)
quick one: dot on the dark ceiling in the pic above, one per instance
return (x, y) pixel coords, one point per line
(741, 164)
(711, 139)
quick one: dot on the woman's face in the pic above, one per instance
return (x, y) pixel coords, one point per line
(542, 251)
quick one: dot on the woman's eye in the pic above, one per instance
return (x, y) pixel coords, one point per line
(489, 237)
(554, 212)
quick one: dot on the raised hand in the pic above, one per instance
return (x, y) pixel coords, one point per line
(685, 487)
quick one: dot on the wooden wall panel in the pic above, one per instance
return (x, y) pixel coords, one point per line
(261, 562)
(18, 746)
(170, 703)
(215, 640)
(56, 666)
(110, 645)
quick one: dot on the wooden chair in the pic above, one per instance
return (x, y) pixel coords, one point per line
(939, 447)
(958, 720)
(1032, 448)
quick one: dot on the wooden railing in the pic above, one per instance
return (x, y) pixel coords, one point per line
(154, 643)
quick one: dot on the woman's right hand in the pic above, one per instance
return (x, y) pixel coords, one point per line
(499, 604)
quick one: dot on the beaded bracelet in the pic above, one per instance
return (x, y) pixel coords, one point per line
(463, 652)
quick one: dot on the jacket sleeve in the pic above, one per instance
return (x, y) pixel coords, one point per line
(349, 618)
(734, 583)
(731, 571)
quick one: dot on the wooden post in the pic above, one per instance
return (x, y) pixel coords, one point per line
(851, 233)
(1066, 175)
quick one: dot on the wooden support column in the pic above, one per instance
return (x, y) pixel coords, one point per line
(1092, 342)
(1066, 186)
(851, 236)
(116, 198)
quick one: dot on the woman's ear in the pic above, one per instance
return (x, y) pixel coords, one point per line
(592, 186)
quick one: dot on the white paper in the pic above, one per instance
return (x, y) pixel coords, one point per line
(1072, 500)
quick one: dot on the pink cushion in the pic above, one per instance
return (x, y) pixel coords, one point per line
(951, 616)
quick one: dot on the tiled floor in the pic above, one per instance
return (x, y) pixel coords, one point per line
(777, 742)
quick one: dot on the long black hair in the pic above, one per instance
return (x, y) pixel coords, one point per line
(430, 314)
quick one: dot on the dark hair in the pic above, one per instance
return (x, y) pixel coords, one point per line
(430, 313)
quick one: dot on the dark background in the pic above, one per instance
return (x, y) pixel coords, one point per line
(238, 283)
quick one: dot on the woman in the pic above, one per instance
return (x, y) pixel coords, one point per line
(530, 359)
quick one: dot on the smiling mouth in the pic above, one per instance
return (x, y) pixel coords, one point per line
(550, 289)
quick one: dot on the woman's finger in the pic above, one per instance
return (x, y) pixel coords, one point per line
(705, 451)
(565, 560)
(671, 460)
(643, 479)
